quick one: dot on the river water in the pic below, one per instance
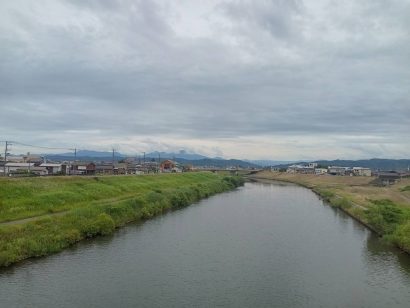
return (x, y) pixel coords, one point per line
(262, 245)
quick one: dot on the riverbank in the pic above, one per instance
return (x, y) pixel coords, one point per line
(385, 210)
(65, 210)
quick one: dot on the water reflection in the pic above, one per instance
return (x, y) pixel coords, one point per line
(381, 252)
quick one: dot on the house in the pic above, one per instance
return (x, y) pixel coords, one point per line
(41, 171)
(336, 170)
(12, 167)
(319, 171)
(25, 159)
(360, 171)
(52, 168)
(301, 169)
(82, 168)
(169, 166)
(104, 168)
(120, 168)
(390, 177)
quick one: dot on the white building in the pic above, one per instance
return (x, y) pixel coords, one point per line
(12, 167)
(336, 170)
(360, 171)
(52, 168)
(319, 171)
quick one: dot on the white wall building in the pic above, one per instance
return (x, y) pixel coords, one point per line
(52, 168)
(360, 171)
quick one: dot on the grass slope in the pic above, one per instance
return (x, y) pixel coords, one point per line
(95, 206)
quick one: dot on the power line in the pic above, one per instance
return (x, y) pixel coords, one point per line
(41, 147)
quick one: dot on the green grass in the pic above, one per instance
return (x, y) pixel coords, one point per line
(96, 206)
(28, 197)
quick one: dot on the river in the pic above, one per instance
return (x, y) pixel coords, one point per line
(262, 245)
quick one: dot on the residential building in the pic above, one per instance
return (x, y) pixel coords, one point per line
(82, 168)
(52, 168)
(320, 171)
(336, 170)
(360, 171)
(302, 169)
(12, 167)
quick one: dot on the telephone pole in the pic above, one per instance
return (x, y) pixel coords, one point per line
(6, 149)
(113, 156)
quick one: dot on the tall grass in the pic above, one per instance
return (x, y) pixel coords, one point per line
(147, 196)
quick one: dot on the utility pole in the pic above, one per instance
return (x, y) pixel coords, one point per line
(71, 167)
(5, 159)
(113, 156)
(159, 161)
(29, 162)
(145, 166)
(6, 149)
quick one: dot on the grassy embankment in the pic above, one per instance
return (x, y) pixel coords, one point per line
(89, 206)
(385, 210)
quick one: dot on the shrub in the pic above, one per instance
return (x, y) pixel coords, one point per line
(384, 216)
(402, 236)
(326, 194)
(343, 203)
(72, 236)
(105, 224)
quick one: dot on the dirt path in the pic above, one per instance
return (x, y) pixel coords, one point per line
(34, 218)
(25, 220)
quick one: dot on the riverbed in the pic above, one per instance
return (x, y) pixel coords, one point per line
(262, 245)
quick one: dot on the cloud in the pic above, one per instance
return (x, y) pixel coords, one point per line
(211, 77)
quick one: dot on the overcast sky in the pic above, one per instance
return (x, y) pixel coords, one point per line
(280, 79)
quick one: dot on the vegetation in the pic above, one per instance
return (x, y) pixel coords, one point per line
(94, 206)
(386, 210)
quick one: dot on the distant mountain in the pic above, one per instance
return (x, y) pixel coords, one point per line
(374, 163)
(182, 157)
(85, 155)
(218, 163)
(265, 163)
(181, 154)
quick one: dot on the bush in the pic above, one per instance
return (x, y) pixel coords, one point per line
(105, 224)
(343, 203)
(72, 236)
(402, 236)
(179, 199)
(233, 181)
(384, 216)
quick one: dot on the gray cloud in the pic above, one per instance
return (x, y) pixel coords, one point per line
(116, 71)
